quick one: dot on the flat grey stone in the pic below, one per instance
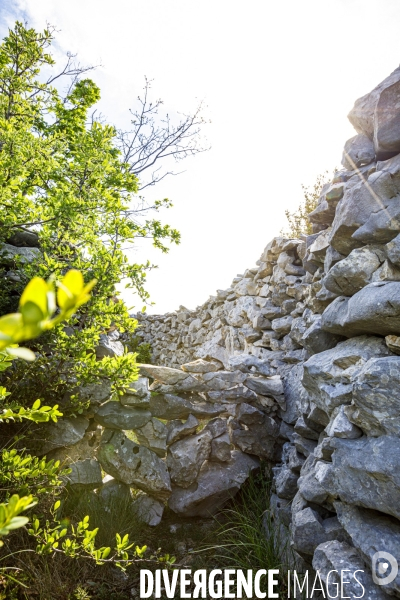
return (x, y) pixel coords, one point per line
(334, 556)
(115, 416)
(215, 485)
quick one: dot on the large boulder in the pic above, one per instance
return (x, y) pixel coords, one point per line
(365, 472)
(350, 275)
(371, 532)
(329, 376)
(365, 112)
(133, 464)
(24, 238)
(331, 558)
(374, 309)
(114, 494)
(369, 212)
(202, 366)
(376, 397)
(216, 484)
(271, 386)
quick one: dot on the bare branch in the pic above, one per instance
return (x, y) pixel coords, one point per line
(154, 139)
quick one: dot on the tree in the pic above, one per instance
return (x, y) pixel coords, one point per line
(298, 222)
(74, 180)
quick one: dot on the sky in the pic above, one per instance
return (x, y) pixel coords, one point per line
(278, 79)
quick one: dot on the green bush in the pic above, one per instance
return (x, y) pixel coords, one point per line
(298, 222)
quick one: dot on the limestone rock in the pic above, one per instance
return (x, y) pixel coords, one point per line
(366, 472)
(303, 445)
(147, 509)
(329, 376)
(362, 115)
(341, 427)
(368, 213)
(115, 416)
(109, 346)
(134, 465)
(258, 432)
(11, 255)
(246, 287)
(286, 483)
(235, 394)
(185, 458)
(295, 394)
(177, 430)
(164, 375)
(374, 309)
(24, 238)
(393, 250)
(393, 343)
(221, 448)
(309, 483)
(202, 366)
(215, 485)
(271, 386)
(96, 393)
(169, 406)
(307, 531)
(316, 340)
(85, 474)
(358, 151)
(248, 362)
(223, 380)
(114, 494)
(376, 398)
(137, 389)
(371, 532)
(283, 325)
(354, 272)
(387, 122)
(333, 556)
(189, 384)
(217, 427)
(153, 435)
(66, 432)
(302, 428)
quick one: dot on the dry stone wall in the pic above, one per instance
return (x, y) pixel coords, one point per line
(296, 364)
(310, 339)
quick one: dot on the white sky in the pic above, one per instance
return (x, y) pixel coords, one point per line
(279, 79)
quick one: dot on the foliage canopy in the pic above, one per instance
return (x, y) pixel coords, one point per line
(72, 178)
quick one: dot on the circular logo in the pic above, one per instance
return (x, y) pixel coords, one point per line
(384, 562)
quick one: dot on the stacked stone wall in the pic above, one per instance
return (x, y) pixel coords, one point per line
(296, 364)
(315, 330)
